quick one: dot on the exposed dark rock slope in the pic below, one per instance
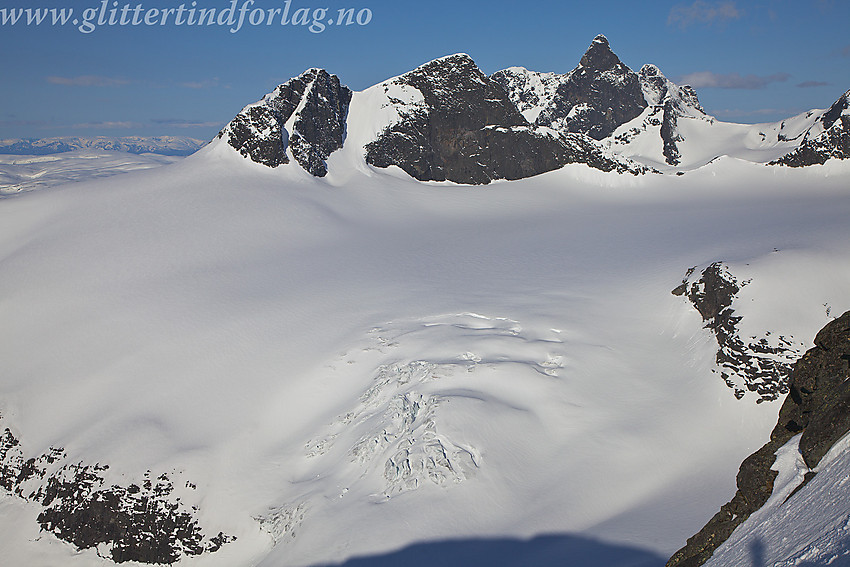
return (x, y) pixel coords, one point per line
(141, 522)
(760, 364)
(818, 406)
(469, 131)
(319, 105)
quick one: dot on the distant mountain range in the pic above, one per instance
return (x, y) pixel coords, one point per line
(162, 145)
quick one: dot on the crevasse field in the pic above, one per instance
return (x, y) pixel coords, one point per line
(347, 367)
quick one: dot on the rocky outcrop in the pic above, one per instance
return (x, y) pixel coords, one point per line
(657, 89)
(306, 115)
(596, 97)
(760, 365)
(141, 522)
(467, 130)
(672, 102)
(817, 406)
(828, 139)
(670, 133)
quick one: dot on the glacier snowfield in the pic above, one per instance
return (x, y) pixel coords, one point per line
(365, 369)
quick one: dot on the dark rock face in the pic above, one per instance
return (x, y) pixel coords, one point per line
(244, 135)
(320, 106)
(819, 401)
(599, 95)
(755, 366)
(818, 405)
(142, 523)
(670, 133)
(833, 142)
(670, 102)
(689, 95)
(469, 131)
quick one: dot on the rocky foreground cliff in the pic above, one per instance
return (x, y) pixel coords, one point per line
(817, 408)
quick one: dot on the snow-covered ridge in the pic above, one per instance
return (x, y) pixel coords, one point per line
(443, 121)
(828, 138)
(473, 129)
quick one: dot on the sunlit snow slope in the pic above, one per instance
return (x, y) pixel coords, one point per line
(343, 367)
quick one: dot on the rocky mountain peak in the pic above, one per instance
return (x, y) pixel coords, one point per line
(451, 84)
(667, 102)
(467, 129)
(306, 116)
(599, 56)
(596, 97)
(654, 84)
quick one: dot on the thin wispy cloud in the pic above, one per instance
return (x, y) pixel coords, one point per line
(706, 13)
(88, 81)
(810, 84)
(181, 123)
(707, 79)
(207, 84)
(108, 124)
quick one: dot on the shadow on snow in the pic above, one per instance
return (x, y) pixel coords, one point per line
(541, 551)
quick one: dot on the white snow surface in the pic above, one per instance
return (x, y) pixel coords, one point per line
(351, 365)
(26, 173)
(705, 139)
(810, 528)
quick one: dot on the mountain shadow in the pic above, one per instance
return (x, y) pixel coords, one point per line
(541, 551)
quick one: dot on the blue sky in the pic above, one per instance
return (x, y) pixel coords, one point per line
(749, 61)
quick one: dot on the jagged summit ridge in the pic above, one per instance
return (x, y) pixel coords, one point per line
(448, 121)
(466, 129)
(596, 97)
